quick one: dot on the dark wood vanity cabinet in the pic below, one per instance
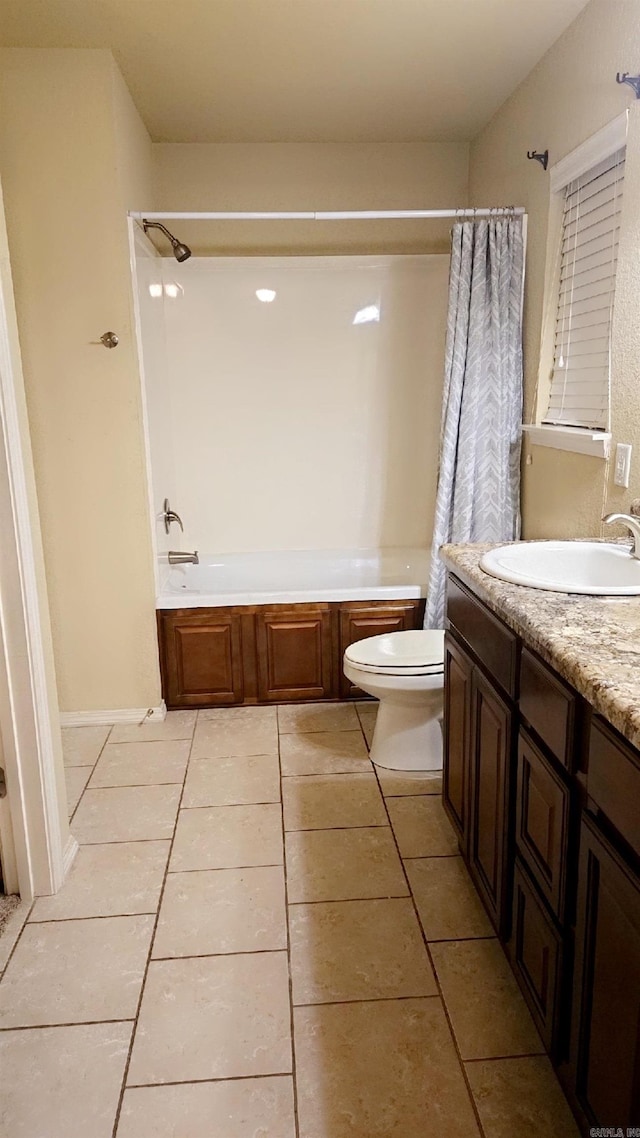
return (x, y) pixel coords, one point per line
(545, 798)
(478, 726)
(606, 1012)
(213, 657)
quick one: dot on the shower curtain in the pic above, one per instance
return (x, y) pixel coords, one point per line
(478, 497)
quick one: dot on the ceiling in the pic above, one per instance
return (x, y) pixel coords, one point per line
(305, 70)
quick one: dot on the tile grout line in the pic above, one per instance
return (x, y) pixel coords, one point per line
(91, 774)
(125, 1073)
(433, 968)
(294, 1076)
(70, 1023)
(199, 1082)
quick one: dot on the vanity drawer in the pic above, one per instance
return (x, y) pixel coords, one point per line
(493, 643)
(542, 820)
(548, 705)
(535, 951)
(613, 780)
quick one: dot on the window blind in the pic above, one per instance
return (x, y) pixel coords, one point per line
(588, 258)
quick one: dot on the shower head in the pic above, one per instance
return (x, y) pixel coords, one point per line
(181, 252)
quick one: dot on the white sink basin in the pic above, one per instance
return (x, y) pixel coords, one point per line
(592, 567)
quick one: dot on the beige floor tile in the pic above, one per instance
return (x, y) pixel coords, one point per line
(243, 714)
(394, 783)
(141, 764)
(108, 881)
(126, 814)
(520, 1097)
(221, 738)
(488, 1013)
(228, 837)
(324, 752)
(367, 714)
(319, 802)
(11, 930)
(337, 865)
(245, 1108)
(76, 971)
(300, 718)
(62, 1082)
(82, 745)
(377, 1069)
(213, 1017)
(222, 910)
(232, 782)
(177, 725)
(447, 902)
(421, 826)
(358, 950)
(76, 778)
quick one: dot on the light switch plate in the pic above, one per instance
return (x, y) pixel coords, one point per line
(623, 464)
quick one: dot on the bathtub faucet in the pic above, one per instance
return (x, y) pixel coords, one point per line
(176, 558)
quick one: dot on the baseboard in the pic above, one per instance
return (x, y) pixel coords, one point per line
(119, 715)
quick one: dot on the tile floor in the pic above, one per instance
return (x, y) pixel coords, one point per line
(263, 935)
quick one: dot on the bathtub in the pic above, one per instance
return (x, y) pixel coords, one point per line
(297, 577)
(247, 628)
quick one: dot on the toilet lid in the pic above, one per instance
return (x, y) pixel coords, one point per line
(421, 670)
(421, 649)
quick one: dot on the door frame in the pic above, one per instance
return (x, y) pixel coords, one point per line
(37, 849)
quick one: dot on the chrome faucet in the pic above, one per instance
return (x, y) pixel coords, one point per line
(632, 524)
(176, 558)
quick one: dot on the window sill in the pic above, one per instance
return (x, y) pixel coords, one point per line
(576, 439)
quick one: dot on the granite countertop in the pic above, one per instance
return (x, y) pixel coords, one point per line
(592, 642)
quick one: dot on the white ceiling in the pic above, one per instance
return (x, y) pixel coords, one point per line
(305, 70)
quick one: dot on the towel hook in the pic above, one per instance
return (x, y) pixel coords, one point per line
(541, 156)
(631, 80)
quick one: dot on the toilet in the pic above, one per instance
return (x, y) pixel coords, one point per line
(405, 672)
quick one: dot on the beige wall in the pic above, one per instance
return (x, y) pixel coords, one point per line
(74, 157)
(312, 176)
(571, 94)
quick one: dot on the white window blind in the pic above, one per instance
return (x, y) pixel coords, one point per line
(588, 257)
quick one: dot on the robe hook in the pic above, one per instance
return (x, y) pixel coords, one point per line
(632, 80)
(540, 156)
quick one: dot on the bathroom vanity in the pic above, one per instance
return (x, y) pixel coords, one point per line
(542, 783)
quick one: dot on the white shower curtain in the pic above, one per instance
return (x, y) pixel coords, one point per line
(478, 496)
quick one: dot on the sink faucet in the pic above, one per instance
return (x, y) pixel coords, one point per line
(632, 524)
(176, 558)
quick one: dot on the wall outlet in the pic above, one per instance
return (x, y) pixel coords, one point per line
(623, 464)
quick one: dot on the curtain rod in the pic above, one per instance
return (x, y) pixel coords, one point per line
(333, 215)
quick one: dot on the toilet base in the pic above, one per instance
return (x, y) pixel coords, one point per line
(406, 739)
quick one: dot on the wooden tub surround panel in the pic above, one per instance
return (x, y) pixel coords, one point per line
(216, 657)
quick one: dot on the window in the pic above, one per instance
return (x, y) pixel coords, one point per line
(579, 395)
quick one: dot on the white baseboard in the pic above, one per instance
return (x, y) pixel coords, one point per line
(119, 715)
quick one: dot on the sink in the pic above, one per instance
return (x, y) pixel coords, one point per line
(595, 568)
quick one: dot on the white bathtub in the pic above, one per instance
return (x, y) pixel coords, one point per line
(285, 578)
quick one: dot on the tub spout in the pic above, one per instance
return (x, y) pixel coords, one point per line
(176, 558)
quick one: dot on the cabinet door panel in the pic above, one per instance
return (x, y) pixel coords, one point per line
(457, 721)
(202, 659)
(362, 621)
(606, 1005)
(294, 655)
(542, 818)
(535, 953)
(490, 776)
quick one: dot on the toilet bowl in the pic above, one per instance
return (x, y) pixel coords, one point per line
(405, 672)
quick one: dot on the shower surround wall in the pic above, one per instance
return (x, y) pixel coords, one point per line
(305, 422)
